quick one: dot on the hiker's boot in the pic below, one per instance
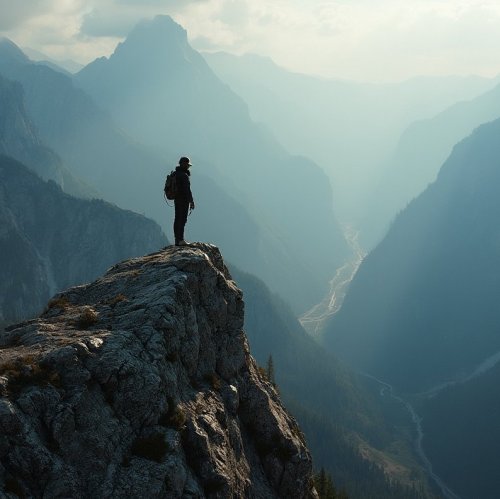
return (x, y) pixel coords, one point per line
(182, 243)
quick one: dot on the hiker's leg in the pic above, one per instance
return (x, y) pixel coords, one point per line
(181, 214)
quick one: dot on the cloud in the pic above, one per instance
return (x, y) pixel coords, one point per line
(15, 13)
(353, 39)
(359, 39)
(116, 18)
(158, 3)
(107, 22)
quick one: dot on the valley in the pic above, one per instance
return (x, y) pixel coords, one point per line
(313, 320)
(387, 390)
(358, 221)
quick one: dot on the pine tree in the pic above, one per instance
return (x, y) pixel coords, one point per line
(270, 371)
(325, 488)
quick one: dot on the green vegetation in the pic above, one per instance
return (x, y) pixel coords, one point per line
(335, 409)
(325, 488)
(333, 449)
(461, 432)
(270, 371)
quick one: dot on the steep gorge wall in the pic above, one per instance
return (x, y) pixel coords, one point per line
(141, 384)
(50, 240)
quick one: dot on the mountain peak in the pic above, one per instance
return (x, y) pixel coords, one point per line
(150, 390)
(155, 35)
(11, 53)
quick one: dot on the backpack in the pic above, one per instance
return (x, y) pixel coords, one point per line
(170, 189)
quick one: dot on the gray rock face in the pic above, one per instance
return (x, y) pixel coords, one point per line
(141, 384)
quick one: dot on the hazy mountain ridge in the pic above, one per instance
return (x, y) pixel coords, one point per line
(422, 314)
(422, 149)
(422, 307)
(19, 138)
(348, 128)
(50, 240)
(127, 173)
(162, 91)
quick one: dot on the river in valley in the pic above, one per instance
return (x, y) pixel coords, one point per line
(387, 390)
(314, 320)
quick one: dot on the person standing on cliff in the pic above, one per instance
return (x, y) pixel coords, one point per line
(183, 199)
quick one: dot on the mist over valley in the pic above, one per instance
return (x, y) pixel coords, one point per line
(332, 322)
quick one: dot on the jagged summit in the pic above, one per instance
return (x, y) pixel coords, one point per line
(153, 46)
(11, 55)
(10, 52)
(162, 29)
(141, 384)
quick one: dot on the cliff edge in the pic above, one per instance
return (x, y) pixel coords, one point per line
(141, 384)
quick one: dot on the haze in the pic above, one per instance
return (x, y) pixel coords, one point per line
(382, 40)
(344, 161)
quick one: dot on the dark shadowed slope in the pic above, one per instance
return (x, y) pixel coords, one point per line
(421, 151)
(50, 240)
(424, 304)
(342, 418)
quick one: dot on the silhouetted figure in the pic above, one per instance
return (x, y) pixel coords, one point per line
(183, 200)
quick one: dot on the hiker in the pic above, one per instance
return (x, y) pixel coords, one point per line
(183, 199)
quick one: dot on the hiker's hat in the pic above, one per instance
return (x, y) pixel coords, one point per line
(185, 161)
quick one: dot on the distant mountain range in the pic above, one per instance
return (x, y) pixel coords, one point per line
(348, 128)
(422, 149)
(19, 139)
(64, 65)
(422, 314)
(423, 306)
(262, 226)
(161, 91)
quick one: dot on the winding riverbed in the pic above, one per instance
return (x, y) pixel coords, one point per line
(313, 320)
(386, 388)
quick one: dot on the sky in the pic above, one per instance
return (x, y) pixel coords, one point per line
(367, 40)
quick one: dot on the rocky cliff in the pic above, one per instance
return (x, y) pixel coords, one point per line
(141, 384)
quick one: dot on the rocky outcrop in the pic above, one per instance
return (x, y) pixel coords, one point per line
(141, 384)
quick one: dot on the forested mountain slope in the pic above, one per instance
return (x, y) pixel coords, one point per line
(422, 149)
(423, 307)
(345, 426)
